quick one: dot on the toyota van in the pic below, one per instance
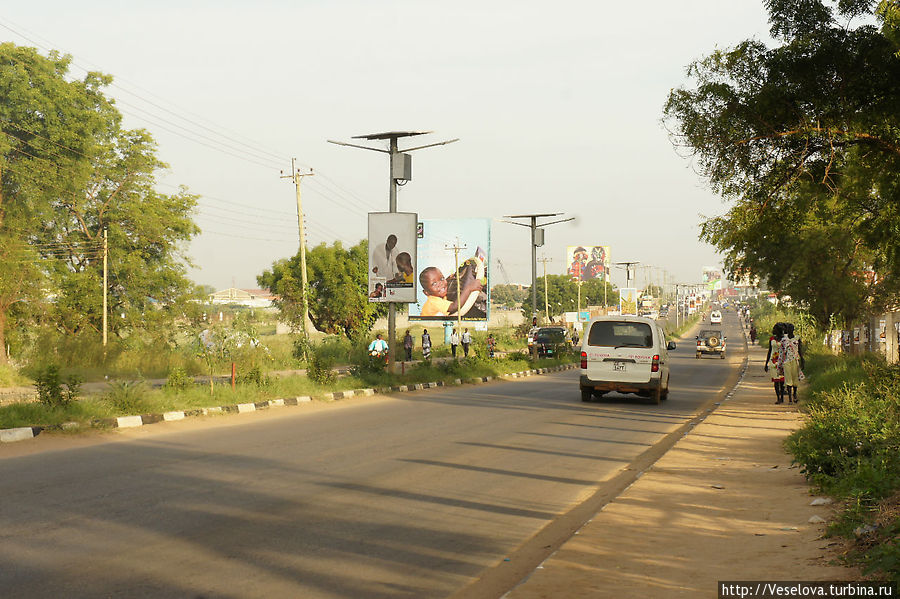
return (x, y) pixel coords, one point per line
(625, 354)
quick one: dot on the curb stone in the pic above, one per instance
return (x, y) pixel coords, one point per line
(12, 435)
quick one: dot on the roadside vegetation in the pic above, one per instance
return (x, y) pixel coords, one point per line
(60, 399)
(849, 446)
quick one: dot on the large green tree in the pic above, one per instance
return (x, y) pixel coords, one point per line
(337, 280)
(562, 294)
(69, 171)
(804, 140)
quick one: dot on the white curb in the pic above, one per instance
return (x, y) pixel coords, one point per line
(129, 421)
(170, 416)
(16, 434)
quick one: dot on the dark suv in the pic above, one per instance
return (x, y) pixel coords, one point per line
(711, 341)
(550, 341)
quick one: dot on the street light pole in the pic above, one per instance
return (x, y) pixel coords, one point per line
(400, 169)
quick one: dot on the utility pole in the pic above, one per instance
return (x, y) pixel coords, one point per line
(455, 248)
(537, 239)
(545, 260)
(297, 177)
(400, 170)
(105, 285)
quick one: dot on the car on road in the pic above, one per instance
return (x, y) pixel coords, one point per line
(715, 317)
(625, 354)
(711, 341)
(550, 341)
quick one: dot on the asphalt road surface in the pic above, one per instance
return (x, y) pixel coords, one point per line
(424, 494)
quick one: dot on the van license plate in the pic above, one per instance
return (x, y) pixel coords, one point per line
(619, 366)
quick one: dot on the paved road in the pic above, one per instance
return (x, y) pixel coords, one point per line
(419, 495)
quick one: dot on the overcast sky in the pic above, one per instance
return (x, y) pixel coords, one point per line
(557, 107)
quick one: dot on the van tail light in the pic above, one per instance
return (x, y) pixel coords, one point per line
(655, 366)
(584, 360)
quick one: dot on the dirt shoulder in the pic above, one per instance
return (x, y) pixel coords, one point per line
(723, 504)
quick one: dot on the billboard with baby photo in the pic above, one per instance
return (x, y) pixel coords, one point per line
(392, 257)
(453, 256)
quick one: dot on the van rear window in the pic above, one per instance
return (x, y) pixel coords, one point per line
(606, 333)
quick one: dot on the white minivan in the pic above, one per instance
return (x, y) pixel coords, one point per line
(625, 354)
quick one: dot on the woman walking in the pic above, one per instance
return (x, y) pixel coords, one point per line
(408, 346)
(426, 345)
(773, 353)
(790, 358)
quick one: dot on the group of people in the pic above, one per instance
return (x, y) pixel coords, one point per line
(786, 355)
(379, 346)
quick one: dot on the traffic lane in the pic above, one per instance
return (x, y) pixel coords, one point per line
(409, 496)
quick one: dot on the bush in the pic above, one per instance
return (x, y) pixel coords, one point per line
(319, 366)
(178, 380)
(49, 385)
(253, 376)
(127, 396)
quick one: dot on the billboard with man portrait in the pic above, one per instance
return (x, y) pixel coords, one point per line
(586, 262)
(454, 259)
(392, 257)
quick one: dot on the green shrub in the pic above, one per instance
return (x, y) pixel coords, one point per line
(178, 380)
(127, 396)
(253, 376)
(49, 385)
(319, 368)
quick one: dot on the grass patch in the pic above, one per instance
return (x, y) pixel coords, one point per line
(130, 398)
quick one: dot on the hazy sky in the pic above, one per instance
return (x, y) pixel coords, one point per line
(557, 107)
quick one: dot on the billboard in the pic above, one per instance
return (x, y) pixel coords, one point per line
(445, 292)
(586, 262)
(392, 257)
(628, 298)
(712, 277)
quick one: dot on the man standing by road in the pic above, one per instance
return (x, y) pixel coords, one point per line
(466, 341)
(454, 342)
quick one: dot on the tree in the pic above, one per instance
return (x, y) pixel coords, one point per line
(804, 139)
(509, 296)
(338, 289)
(562, 294)
(68, 171)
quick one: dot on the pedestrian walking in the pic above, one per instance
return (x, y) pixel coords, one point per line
(790, 357)
(752, 332)
(575, 337)
(426, 345)
(466, 342)
(408, 346)
(454, 342)
(491, 344)
(772, 354)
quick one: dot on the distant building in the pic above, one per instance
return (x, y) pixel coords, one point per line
(252, 298)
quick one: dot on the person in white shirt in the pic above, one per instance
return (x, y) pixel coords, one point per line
(454, 342)
(466, 341)
(384, 258)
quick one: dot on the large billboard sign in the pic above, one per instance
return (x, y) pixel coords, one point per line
(586, 262)
(445, 292)
(628, 300)
(392, 257)
(712, 277)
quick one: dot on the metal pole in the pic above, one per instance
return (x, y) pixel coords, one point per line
(546, 303)
(533, 266)
(392, 307)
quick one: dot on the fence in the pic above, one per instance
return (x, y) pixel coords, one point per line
(879, 334)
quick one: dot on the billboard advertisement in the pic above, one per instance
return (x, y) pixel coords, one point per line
(392, 257)
(712, 277)
(445, 291)
(586, 262)
(628, 298)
